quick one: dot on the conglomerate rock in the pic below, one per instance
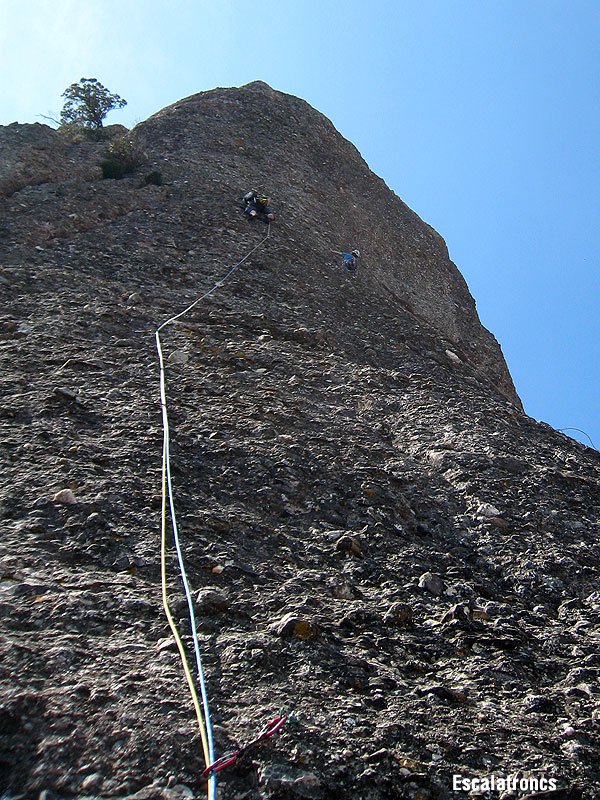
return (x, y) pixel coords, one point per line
(377, 537)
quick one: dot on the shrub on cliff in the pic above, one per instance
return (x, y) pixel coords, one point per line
(122, 156)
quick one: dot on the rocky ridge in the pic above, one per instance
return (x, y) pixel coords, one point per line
(377, 536)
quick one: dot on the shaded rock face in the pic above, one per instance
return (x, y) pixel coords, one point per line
(31, 155)
(376, 536)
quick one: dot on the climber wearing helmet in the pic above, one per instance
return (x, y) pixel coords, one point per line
(350, 259)
(257, 205)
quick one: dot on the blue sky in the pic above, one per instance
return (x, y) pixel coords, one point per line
(482, 115)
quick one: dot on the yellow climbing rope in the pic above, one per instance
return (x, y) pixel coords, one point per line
(201, 709)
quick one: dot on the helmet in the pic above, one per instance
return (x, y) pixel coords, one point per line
(356, 253)
(263, 200)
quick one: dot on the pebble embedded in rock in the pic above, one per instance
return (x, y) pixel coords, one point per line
(343, 591)
(349, 545)
(66, 394)
(453, 357)
(65, 497)
(432, 582)
(292, 625)
(487, 510)
(459, 612)
(178, 357)
(212, 600)
(399, 614)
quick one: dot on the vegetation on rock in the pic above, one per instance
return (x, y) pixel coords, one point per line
(87, 104)
(122, 157)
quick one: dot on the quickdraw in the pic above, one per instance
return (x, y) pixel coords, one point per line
(271, 728)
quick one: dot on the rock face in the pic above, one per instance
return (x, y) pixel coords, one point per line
(376, 535)
(327, 198)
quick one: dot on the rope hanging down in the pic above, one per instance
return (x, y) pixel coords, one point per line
(202, 710)
(561, 430)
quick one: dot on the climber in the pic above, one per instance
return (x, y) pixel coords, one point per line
(257, 205)
(350, 259)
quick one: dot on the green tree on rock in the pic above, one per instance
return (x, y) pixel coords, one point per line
(87, 103)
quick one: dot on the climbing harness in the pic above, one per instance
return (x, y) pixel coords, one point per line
(271, 728)
(201, 708)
